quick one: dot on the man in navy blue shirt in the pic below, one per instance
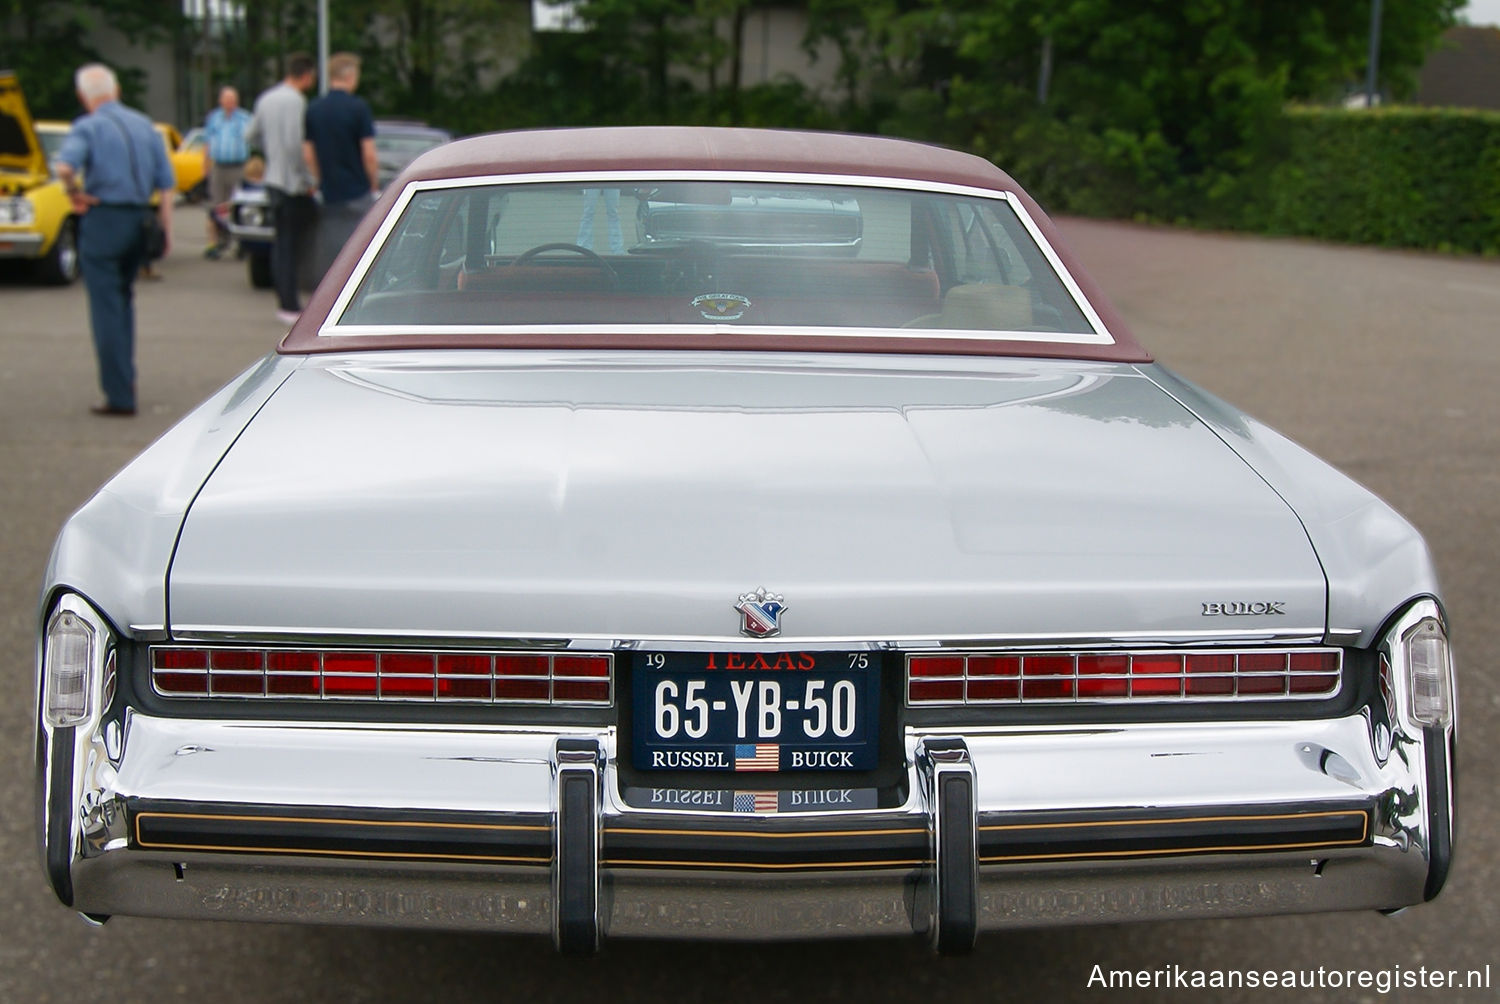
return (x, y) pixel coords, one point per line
(340, 152)
(123, 163)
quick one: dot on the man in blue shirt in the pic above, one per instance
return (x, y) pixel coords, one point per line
(340, 153)
(123, 162)
(225, 150)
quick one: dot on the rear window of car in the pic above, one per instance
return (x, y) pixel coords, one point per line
(762, 255)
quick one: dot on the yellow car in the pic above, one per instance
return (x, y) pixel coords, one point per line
(186, 156)
(36, 216)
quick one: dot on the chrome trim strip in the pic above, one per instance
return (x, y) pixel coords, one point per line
(24, 244)
(754, 330)
(1100, 336)
(737, 643)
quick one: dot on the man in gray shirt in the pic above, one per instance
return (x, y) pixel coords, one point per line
(277, 128)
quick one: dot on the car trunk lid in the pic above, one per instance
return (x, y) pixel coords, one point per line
(20, 152)
(537, 495)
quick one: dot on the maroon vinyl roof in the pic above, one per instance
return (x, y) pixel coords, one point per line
(692, 148)
(686, 148)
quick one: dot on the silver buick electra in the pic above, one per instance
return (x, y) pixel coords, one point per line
(732, 534)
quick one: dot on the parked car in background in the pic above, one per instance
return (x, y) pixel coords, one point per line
(675, 215)
(397, 143)
(724, 587)
(186, 156)
(37, 223)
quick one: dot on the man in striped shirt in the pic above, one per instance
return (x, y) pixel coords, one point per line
(225, 150)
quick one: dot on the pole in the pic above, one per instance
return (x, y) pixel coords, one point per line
(1372, 71)
(323, 46)
(1044, 75)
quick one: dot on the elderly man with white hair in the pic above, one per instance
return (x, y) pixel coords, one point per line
(122, 163)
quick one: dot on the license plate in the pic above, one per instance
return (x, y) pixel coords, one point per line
(756, 712)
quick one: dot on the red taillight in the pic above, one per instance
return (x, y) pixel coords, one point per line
(350, 674)
(408, 674)
(180, 671)
(521, 690)
(591, 666)
(580, 679)
(1210, 675)
(487, 677)
(465, 677)
(236, 673)
(989, 678)
(521, 665)
(1313, 672)
(993, 677)
(1047, 677)
(294, 674)
(1103, 676)
(936, 678)
(1156, 676)
(584, 691)
(180, 658)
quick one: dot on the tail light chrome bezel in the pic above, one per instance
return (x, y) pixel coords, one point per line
(502, 677)
(1009, 678)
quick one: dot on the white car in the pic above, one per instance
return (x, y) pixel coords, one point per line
(728, 588)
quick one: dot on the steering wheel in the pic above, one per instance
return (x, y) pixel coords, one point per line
(531, 253)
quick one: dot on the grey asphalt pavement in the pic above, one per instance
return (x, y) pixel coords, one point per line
(1385, 363)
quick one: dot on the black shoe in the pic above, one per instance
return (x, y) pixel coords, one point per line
(109, 409)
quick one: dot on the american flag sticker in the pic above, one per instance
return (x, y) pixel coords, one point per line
(757, 801)
(760, 756)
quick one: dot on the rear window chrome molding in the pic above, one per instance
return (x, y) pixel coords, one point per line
(747, 330)
(331, 329)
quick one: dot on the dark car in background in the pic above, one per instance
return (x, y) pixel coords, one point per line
(397, 143)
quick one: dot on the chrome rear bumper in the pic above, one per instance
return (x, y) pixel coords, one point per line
(21, 244)
(528, 830)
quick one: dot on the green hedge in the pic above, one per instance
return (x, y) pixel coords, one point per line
(1399, 177)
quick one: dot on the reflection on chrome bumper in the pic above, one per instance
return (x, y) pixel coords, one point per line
(528, 830)
(240, 232)
(21, 245)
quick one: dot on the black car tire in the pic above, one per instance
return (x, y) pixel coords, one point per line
(260, 269)
(197, 193)
(60, 265)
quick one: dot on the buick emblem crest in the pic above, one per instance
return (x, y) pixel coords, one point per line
(760, 613)
(721, 306)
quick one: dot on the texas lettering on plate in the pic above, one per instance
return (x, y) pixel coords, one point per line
(756, 712)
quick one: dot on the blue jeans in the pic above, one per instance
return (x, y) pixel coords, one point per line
(611, 216)
(111, 248)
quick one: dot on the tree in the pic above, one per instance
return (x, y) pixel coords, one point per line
(45, 43)
(1172, 98)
